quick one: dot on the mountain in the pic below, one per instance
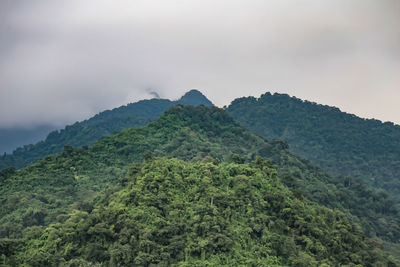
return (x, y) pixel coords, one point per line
(12, 138)
(48, 191)
(194, 98)
(103, 124)
(340, 143)
(173, 212)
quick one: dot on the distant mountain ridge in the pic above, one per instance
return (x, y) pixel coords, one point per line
(341, 143)
(12, 138)
(105, 123)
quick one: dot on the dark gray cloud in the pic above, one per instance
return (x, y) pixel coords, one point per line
(62, 61)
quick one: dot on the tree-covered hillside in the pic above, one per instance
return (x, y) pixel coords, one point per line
(103, 124)
(47, 191)
(341, 143)
(172, 212)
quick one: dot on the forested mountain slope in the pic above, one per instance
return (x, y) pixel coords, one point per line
(172, 212)
(45, 192)
(340, 143)
(103, 124)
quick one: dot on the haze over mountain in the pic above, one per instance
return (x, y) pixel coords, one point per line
(64, 61)
(11, 138)
(103, 124)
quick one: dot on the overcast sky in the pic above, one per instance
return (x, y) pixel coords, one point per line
(63, 61)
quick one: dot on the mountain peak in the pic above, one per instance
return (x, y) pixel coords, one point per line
(194, 98)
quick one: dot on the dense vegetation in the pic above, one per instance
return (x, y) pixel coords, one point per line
(103, 124)
(52, 185)
(46, 192)
(340, 143)
(198, 214)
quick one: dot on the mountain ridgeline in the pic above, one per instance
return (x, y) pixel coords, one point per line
(103, 124)
(221, 195)
(340, 143)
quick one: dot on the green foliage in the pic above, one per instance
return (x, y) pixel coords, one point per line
(47, 192)
(340, 143)
(173, 212)
(360, 154)
(6, 173)
(57, 183)
(106, 123)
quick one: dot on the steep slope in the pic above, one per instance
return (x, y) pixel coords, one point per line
(103, 124)
(172, 212)
(339, 142)
(45, 192)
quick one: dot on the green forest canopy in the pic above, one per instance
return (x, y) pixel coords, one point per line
(47, 192)
(198, 214)
(340, 143)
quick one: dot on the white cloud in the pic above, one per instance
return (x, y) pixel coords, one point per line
(63, 61)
